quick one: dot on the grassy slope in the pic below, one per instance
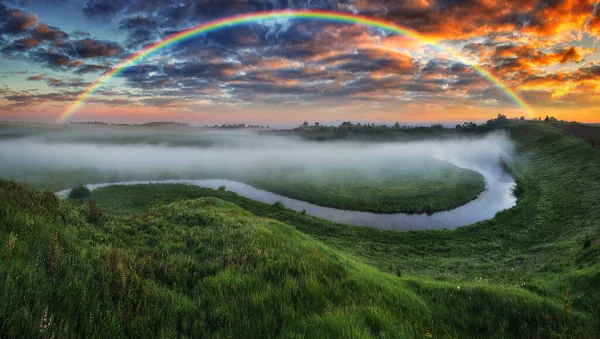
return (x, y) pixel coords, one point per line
(431, 186)
(538, 245)
(253, 270)
(205, 267)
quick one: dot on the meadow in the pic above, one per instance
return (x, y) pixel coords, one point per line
(177, 260)
(427, 186)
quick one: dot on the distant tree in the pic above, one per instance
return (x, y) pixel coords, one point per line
(305, 124)
(79, 193)
(437, 128)
(317, 124)
(397, 125)
(522, 118)
(547, 120)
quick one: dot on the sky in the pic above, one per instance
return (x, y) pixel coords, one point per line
(286, 71)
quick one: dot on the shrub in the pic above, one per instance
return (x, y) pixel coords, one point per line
(222, 188)
(94, 214)
(398, 272)
(587, 243)
(517, 191)
(278, 204)
(80, 192)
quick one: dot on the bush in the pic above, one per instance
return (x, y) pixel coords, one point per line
(221, 188)
(278, 204)
(398, 272)
(80, 192)
(517, 191)
(94, 214)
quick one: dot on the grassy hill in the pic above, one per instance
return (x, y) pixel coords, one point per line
(175, 260)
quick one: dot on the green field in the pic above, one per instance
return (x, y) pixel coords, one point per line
(176, 260)
(430, 187)
(426, 186)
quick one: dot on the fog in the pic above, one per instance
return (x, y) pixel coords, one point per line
(202, 153)
(62, 157)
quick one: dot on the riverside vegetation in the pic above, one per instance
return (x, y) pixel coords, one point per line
(176, 260)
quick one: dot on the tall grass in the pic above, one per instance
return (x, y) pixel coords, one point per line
(207, 268)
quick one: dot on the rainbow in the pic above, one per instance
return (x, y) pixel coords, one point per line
(320, 15)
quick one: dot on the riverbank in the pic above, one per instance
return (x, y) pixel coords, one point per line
(540, 244)
(188, 261)
(497, 197)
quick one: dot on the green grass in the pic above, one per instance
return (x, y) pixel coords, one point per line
(538, 245)
(426, 186)
(438, 187)
(176, 260)
(207, 268)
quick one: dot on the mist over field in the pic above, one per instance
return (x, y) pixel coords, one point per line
(201, 153)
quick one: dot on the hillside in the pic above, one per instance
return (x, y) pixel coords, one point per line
(174, 260)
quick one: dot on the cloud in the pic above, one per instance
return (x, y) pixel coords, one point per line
(36, 77)
(80, 34)
(90, 68)
(103, 8)
(15, 21)
(54, 82)
(28, 99)
(529, 44)
(91, 48)
(20, 45)
(139, 29)
(52, 59)
(44, 32)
